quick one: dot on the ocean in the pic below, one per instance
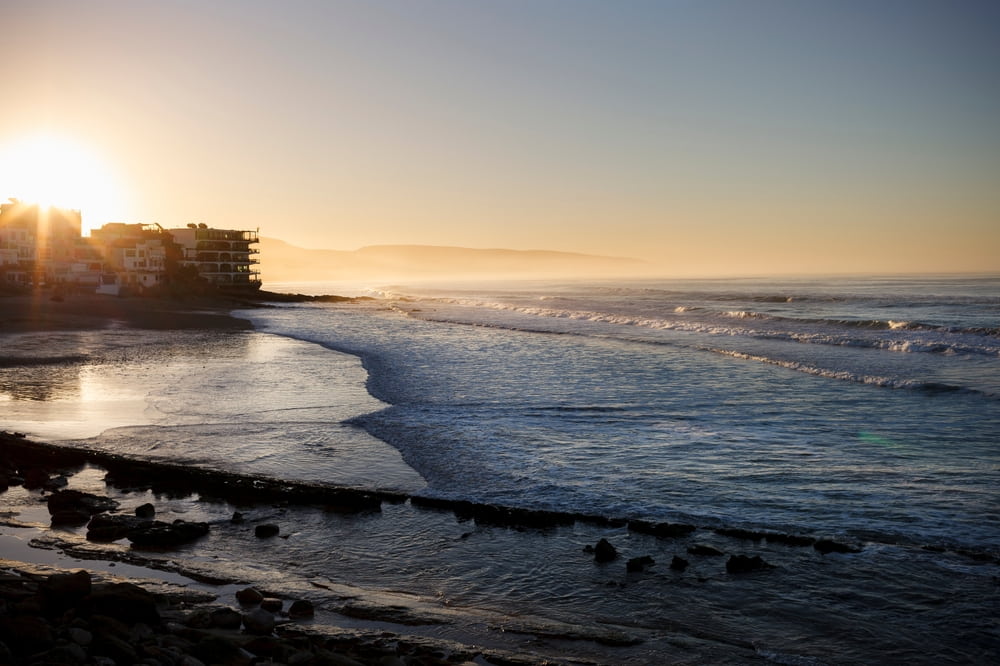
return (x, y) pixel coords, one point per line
(865, 411)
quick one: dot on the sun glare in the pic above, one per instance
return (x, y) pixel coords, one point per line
(54, 171)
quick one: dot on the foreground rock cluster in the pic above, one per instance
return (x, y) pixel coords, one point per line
(68, 618)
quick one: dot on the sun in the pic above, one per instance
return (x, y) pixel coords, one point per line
(52, 170)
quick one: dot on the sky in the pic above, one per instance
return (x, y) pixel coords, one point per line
(707, 137)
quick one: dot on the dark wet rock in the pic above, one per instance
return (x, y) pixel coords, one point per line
(126, 602)
(351, 501)
(215, 650)
(226, 618)
(55, 483)
(145, 511)
(272, 604)
(663, 530)
(106, 527)
(76, 500)
(604, 551)
(258, 621)
(157, 534)
(266, 530)
(826, 546)
(737, 533)
(60, 591)
(679, 563)
(300, 609)
(639, 564)
(200, 619)
(69, 517)
(789, 539)
(34, 478)
(702, 549)
(249, 596)
(237, 518)
(25, 634)
(745, 564)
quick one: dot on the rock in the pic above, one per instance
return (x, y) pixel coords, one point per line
(828, 546)
(702, 549)
(266, 530)
(745, 564)
(259, 622)
(638, 564)
(679, 563)
(215, 650)
(237, 518)
(34, 478)
(60, 591)
(75, 500)
(55, 483)
(25, 634)
(604, 551)
(665, 530)
(157, 534)
(301, 609)
(790, 539)
(226, 618)
(125, 602)
(65, 517)
(105, 528)
(271, 604)
(737, 533)
(146, 510)
(249, 596)
(80, 636)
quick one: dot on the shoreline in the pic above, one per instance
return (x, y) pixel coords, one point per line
(763, 562)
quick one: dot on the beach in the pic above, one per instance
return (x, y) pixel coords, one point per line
(325, 420)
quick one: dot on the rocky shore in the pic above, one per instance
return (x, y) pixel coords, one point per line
(53, 616)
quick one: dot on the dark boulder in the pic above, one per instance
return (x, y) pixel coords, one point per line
(743, 564)
(266, 530)
(301, 609)
(258, 622)
(126, 602)
(105, 527)
(604, 551)
(663, 530)
(639, 564)
(157, 534)
(679, 563)
(216, 650)
(226, 618)
(61, 591)
(249, 597)
(790, 539)
(76, 500)
(69, 517)
(828, 546)
(146, 510)
(702, 549)
(738, 533)
(25, 634)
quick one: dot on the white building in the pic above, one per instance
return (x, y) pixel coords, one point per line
(223, 257)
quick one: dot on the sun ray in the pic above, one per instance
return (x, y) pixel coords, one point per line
(52, 170)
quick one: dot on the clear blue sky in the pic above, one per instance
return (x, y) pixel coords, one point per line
(709, 137)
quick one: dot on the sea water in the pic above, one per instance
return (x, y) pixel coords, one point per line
(841, 407)
(864, 410)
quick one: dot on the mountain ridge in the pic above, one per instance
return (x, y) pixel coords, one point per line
(282, 261)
